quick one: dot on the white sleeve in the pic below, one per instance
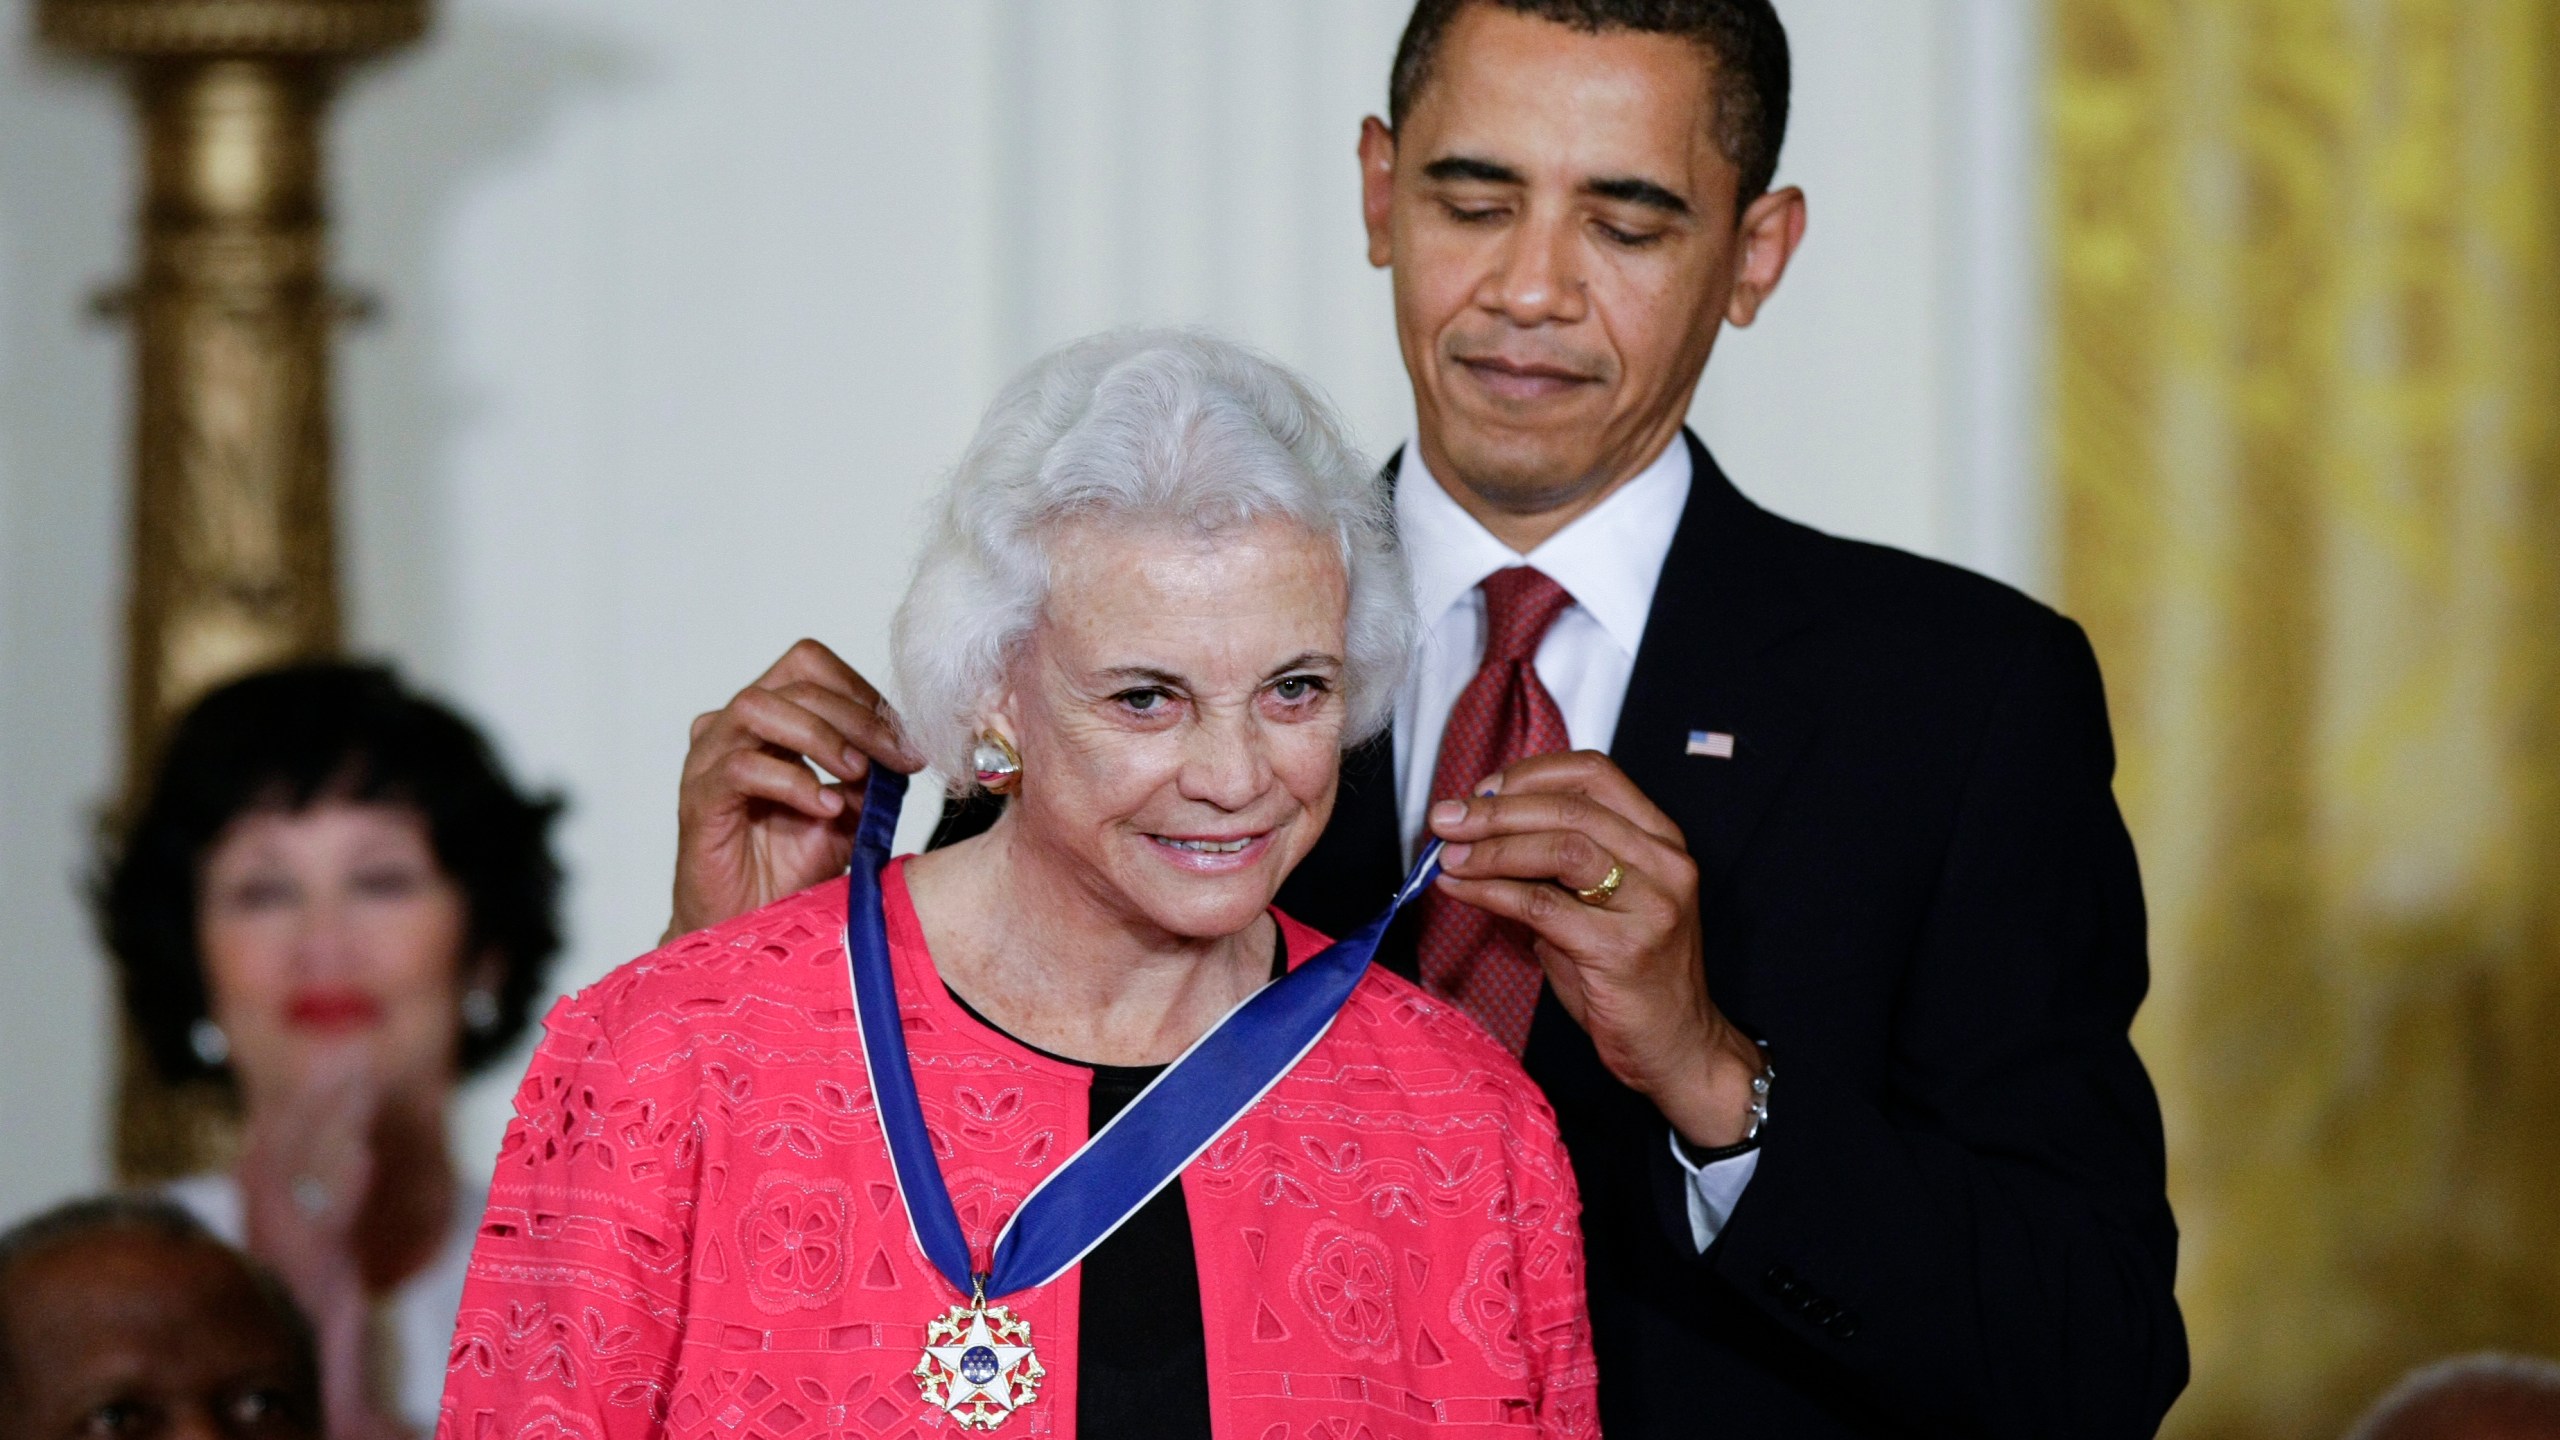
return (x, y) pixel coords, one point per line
(1713, 1189)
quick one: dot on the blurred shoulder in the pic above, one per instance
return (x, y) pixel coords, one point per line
(766, 973)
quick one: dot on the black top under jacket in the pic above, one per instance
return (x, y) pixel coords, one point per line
(1916, 887)
(1142, 1349)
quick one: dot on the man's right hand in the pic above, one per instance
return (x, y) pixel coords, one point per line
(753, 824)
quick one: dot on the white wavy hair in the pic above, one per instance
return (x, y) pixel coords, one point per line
(1151, 426)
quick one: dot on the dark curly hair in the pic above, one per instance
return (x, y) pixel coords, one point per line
(1744, 37)
(284, 739)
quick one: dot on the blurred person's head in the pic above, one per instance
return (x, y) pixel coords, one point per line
(1574, 197)
(2471, 1397)
(1165, 581)
(330, 871)
(121, 1318)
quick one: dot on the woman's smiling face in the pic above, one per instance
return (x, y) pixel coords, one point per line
(1179, 711)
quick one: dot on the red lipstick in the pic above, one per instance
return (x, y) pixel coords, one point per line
(325, 1009)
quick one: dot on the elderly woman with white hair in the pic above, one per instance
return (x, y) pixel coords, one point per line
(1064, 1128)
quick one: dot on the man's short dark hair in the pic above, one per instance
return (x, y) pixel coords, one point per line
(160, 1218)
(284, 740)
(131, 1212)
(1748, 45)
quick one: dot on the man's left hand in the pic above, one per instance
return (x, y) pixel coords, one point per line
(1629, 968)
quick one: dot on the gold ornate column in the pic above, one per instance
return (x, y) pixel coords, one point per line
(2308, 341)
(233, 546)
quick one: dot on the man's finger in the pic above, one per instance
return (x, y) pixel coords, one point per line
(807, 660)
(772, 719)
(763, 775)
(1558, 918)
(1565, 857)
(1485, 817)
(809, 663)
(868, 734)
(1595, 776)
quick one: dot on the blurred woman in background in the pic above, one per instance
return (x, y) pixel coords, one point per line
(334, 901)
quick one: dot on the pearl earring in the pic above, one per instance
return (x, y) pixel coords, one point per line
(998, 764)
(206, 1039)
(479, 1010)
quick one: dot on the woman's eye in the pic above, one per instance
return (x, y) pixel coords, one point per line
(1295, 688)
(389, 883)
(260, 895)
(1144, 702)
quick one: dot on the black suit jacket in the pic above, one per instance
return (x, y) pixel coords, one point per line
(1916, 888)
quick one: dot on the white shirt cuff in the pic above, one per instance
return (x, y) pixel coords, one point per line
(1714, 1189)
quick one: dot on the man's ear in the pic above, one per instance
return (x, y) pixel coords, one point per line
(1378, 189)
(1771, 229)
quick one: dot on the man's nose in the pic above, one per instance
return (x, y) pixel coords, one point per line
(1538, 280)
(196, 1420)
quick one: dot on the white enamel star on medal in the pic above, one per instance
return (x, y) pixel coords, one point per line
(978, 1364)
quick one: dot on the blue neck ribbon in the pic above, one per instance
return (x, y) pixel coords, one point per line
(1078, 1205)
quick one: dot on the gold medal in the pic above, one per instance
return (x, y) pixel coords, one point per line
(978, 1364)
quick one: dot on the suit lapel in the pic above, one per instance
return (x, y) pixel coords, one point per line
(1723, 599)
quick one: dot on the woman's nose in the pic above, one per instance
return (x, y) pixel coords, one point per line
(324, 936)
(1224, 764)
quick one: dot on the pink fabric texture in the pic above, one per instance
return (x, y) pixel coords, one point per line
(694, 1231)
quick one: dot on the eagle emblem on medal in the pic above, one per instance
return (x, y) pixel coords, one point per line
(978, 1364)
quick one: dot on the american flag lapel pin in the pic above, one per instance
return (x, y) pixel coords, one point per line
(1714, 744)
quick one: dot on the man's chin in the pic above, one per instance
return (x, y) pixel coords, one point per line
(1522, 470)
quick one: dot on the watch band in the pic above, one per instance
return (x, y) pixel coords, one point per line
(1702, 1156)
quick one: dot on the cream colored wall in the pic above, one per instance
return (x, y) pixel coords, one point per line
(683, 305)
(62, 209)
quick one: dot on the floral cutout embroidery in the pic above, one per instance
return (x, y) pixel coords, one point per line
(1347, 1282)
(791, 1238)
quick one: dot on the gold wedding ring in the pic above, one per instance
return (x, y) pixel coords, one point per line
(1599, 894)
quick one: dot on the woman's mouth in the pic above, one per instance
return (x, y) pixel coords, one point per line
(332, 1010)
(1212, 853)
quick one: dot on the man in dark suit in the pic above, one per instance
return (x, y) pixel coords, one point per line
(1828, 962)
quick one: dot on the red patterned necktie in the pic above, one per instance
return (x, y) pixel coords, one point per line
(1505, 714)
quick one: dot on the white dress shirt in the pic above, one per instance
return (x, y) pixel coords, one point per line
(1609, 560)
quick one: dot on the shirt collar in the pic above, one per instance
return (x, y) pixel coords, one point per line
(1609, 558)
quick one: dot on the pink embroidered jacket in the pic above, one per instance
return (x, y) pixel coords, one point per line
(694, 1231)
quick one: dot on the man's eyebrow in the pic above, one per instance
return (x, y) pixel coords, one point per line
(1468, 167)
(1638, 192)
